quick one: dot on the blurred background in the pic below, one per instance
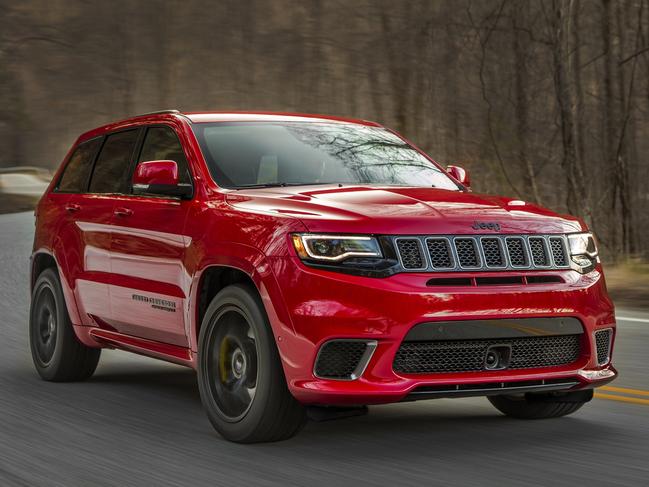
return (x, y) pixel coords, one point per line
(547, 100)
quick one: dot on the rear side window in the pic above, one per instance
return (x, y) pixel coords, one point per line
(113, 164)
(161, 143)
(76, 172)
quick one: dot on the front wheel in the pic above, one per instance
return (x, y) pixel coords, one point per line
(240, 376)
(541, 406)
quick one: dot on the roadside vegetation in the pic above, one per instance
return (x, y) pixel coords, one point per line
(628, 284)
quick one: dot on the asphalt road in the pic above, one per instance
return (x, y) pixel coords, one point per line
(139, 422)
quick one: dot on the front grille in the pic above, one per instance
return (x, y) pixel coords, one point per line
(439, 251)
(467, 252)
(603, 346)
(516, 250)
(539, 252)
(339, 359)
(410, 252)
(469, 355)
(558, 251)
(493, 253)
(482, 253)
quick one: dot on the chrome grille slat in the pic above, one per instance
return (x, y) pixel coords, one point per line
(468, 253)
(440, 253)
(455, 253)
(517, 252)
(539, 251)
(558, 251)
(493, 252)
(410, 253)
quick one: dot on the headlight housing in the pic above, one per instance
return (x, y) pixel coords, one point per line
(583, 252)
(335, 248)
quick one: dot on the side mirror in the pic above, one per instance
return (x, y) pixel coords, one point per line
(160, 178)
(459, 174)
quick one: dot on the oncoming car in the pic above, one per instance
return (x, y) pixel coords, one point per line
(310, 266)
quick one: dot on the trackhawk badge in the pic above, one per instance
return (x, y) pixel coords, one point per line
(156, 303)
(486, 226)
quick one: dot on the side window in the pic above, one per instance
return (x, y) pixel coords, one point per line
(113, 163)
(161, 143)
(76, 172)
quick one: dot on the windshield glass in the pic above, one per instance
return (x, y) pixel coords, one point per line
(252, 154)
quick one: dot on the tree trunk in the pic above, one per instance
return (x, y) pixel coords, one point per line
(576, 200)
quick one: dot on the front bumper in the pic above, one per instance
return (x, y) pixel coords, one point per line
(323, 305)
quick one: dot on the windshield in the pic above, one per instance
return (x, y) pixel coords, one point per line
(251, 154)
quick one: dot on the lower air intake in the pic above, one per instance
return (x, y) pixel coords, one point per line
(603, 345)
(343, 359)
(427, 357)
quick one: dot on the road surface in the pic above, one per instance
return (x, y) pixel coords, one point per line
(139, 422)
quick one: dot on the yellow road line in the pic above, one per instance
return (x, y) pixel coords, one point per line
(624, 390)
(613, 397)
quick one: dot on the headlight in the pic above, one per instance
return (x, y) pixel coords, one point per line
(583, 252)
(335, 248)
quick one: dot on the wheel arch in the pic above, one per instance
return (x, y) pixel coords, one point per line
(43, 259)
(216, 275)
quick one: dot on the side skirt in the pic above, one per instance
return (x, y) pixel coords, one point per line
(142, 346)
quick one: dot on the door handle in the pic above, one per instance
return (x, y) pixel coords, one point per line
(72, 207)
(123, 212)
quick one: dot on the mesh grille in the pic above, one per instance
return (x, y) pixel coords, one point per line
(603, 344)
(469, 355)
(539, 256)
(440, 253)
(466, 252)
(558, 253)
(410, 252)
(338, 359)
(456, 253)
(516, 251)
(492, 252)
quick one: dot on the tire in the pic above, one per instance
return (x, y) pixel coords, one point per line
(57, 353)
(240, 375)
(541, 406)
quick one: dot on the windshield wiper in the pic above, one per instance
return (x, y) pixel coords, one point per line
(276, 185)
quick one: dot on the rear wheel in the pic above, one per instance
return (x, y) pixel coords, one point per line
(57, 353)
(541, 406)
(240, 376)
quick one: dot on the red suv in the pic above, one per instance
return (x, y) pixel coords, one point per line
(310, 264)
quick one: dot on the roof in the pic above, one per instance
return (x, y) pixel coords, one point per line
(207, 117)
(201, 117)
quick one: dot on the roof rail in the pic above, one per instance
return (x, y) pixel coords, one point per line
(159, 112)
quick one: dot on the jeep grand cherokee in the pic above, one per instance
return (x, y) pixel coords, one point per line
(310, 263)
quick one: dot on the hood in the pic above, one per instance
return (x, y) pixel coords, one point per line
(401, 211)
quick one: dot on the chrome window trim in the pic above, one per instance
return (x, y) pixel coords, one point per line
(370, 347)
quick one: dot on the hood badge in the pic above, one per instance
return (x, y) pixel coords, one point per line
(486, 226)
